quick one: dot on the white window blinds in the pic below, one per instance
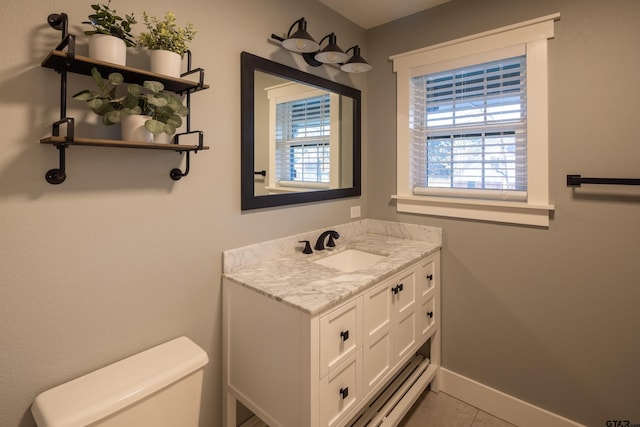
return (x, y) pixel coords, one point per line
(303, 140)
(468, 131)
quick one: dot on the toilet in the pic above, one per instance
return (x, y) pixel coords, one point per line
(160, 387)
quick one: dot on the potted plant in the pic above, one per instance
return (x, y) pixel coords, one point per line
(167, 43)
(156, 111)
(111, 34)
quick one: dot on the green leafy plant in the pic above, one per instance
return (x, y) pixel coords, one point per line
(107, 21)
(166, 34)
(165, 108)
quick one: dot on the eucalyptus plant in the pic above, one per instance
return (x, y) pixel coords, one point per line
(150, 99)
(106, 21)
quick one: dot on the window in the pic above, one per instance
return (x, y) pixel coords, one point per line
(305, 148)
(472, 126)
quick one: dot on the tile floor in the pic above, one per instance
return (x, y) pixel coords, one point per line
(442, 410)
(434, 410)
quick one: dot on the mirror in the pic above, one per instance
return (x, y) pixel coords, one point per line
(300, 136)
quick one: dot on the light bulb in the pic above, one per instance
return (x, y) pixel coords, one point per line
(301, 44)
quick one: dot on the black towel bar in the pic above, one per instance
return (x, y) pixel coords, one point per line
(577, 180)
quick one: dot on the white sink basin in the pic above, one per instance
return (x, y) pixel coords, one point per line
(350, 260)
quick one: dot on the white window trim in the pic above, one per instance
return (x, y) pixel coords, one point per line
(533, 35)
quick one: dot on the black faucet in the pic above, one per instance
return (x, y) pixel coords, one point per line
(332, 235)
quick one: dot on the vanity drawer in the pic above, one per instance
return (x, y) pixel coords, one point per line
(426, 278)
(340, 335)
(341, 390)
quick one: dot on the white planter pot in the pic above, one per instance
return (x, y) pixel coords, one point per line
(108, 49)
(165, 62)
(163, 138)
(133, 129)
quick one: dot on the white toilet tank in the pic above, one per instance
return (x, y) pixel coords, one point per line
(160, 387)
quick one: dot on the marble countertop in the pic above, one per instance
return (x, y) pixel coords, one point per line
(294, 279)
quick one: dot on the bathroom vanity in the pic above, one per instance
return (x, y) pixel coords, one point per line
(316, 339)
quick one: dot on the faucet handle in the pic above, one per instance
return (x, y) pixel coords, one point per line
(307, 246)
(330, 242)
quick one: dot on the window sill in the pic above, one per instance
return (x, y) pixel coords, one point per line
(483, 210)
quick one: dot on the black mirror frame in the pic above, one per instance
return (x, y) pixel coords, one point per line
(251, 63)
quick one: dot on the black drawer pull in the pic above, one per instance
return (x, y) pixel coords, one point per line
(344, 392)
(400, 287)
(344, 335)
(430, 314)
(429, 277)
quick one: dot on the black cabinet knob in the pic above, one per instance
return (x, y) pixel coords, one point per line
(430, 314)
(397, 288)
(429, 277)
(344, 335)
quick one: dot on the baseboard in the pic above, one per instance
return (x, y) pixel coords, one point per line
(499, 404)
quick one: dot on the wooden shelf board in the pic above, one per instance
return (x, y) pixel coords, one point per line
(56, 140)
(82, 65)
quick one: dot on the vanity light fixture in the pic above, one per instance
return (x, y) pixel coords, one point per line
(331, 54)
(301, 42)
(355, 64)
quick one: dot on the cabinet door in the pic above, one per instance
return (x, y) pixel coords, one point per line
(426, 278)
(426, 317)
(340, 390)
(403, 291)
(378, 345)
(339, 335)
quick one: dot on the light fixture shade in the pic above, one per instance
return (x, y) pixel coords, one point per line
(356, 64)
(331, 54)
(300, 41)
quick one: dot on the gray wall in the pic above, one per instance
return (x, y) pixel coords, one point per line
(120, 258)
(547, 315)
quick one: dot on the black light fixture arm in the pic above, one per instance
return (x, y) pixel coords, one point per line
(302, 24)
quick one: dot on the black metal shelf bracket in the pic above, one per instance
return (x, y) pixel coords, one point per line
(60, 22)
(578, 180)
(176, 173)
(190, 71)
(58, 175)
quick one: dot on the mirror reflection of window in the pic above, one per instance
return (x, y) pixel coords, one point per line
(304, 149)
(303, 132)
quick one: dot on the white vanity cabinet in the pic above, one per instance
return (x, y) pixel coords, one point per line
(295, 369)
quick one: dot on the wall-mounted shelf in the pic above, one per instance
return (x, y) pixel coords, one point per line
(82, 65)
(67, 61)
(91, 142)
